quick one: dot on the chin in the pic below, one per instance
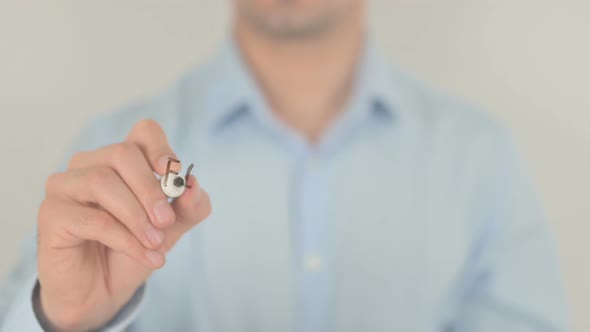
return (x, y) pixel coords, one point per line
(293, 18)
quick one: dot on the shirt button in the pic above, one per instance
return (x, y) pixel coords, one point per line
(313, 263)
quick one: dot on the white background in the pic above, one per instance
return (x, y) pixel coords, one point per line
(524, 60)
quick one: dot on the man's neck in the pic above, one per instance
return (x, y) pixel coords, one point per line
(306, 82)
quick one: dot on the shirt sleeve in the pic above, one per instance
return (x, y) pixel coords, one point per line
(16, 292)
(23, 313)
(514, 284)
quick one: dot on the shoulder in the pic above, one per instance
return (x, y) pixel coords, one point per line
(464, 141)
(169, 107)
(448, 120)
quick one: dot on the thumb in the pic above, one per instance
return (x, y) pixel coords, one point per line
(191, 208)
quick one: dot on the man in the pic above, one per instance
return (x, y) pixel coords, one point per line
(347, 197)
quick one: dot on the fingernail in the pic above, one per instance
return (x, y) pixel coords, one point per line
(154, 257)
(155, 236)
(163, 213)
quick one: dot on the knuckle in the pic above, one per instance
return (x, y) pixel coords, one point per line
(146, 126)
(100, 176)
(45, 210)
(100, 220)
(139, 217)
(76, 159)
(52, 182)
(167, 245)
(155, 197)
(122, 150)
(80, 220)
(130, 244)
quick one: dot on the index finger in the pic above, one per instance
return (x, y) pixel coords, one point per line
(149, 136)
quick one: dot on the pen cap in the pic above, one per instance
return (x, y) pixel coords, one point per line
(174, 186)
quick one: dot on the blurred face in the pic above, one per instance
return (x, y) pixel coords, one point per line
(294, 19)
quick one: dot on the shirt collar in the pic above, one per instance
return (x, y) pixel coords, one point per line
(233, 92)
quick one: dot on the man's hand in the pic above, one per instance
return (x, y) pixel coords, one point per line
(105, 225)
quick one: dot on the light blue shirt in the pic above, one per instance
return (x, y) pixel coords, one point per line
(413, 213)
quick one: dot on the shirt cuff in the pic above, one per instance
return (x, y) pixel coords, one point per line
(22, 316)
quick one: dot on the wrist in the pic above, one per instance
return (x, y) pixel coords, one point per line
(53, 319)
